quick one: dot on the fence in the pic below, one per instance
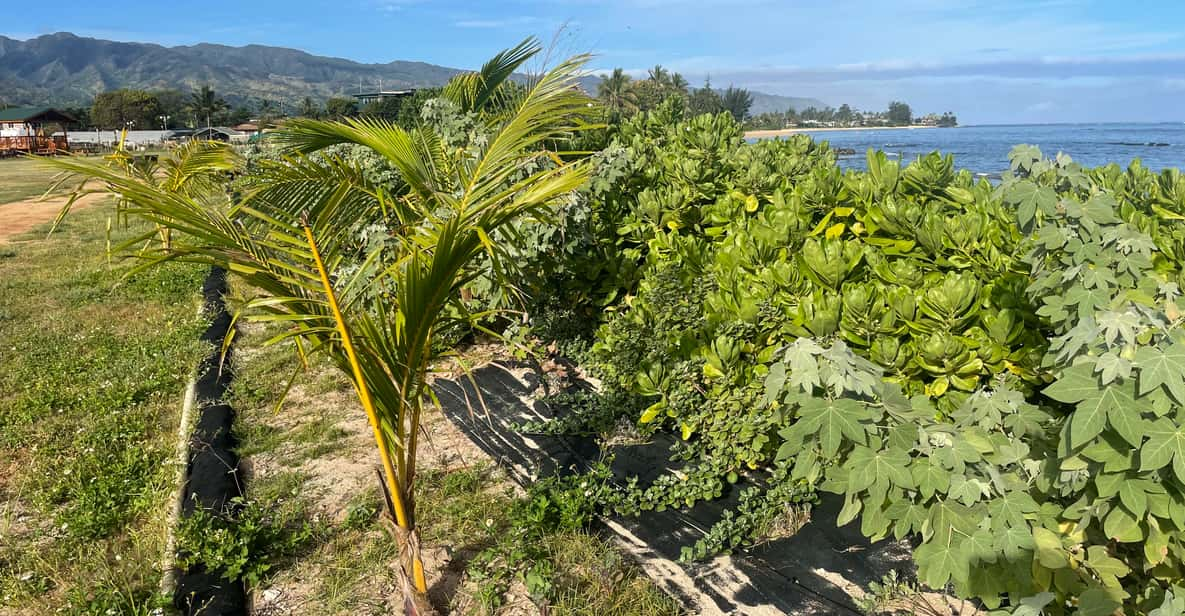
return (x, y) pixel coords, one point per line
(11, 146)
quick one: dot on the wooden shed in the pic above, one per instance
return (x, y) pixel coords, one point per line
(29, 130)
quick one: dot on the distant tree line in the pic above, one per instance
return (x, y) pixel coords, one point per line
(402, 110)
(171, 109)
(163, 109)
(897, 114)
(624, 96)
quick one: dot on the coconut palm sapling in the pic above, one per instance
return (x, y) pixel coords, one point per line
(374, 312)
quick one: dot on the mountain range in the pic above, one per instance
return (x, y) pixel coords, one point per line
(67, 70)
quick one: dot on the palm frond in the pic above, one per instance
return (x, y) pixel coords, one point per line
(329, 192)
(487, 87)
(412, 152)
(198, 166)
(550, 111)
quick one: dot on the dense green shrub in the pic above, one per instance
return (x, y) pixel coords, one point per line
(994, 371)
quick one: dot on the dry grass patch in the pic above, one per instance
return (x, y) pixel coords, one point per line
(24, 178)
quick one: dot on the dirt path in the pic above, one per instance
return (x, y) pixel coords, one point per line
(20, 217)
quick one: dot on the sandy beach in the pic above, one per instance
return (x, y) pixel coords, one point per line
(766, 134)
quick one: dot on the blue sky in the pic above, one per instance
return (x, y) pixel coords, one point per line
(991, 61)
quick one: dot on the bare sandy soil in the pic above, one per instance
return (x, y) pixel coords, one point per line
(331, 481)
(20, 217)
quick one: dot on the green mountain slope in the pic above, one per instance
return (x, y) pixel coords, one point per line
(64, 69)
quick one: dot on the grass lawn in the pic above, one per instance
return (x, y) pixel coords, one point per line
(92, 371)
(23, 178)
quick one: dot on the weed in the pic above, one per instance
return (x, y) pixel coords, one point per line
(585, 412)
(544, 545)
(362, 511)
(248, 539)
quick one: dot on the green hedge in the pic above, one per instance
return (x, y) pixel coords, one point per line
(995, 370)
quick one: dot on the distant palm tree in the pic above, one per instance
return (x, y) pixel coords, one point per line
(205, 103)
(737, 101)
(679, 83)
(660, 75)
(616, 93)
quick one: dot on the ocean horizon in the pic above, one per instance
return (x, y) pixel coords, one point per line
(984, 148)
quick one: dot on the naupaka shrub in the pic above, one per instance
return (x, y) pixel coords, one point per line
(996, 371)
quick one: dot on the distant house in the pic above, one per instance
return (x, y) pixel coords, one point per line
(250, 128)
(220, 133)
(178, 135)
(26, 130)
(366, 98)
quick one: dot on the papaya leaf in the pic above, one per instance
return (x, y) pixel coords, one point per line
(835, 420)
(1165, 368)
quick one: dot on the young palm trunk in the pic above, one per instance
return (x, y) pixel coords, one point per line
(413, 582)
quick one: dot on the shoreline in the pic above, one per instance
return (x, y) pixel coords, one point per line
(783, 132)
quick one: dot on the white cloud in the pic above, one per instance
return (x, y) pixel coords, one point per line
(392, 6)
(525, 20)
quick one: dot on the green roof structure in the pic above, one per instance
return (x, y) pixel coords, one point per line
(38, 115)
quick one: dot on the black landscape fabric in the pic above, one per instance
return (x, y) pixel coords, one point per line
(782, 576)
(212, 477)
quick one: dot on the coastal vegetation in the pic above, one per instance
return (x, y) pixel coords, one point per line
(985, 370)
(990, 372)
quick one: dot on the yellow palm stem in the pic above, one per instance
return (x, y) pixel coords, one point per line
(401, 517)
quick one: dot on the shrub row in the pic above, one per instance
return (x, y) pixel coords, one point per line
(996, 371)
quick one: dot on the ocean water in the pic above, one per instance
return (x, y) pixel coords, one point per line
(984, 149)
